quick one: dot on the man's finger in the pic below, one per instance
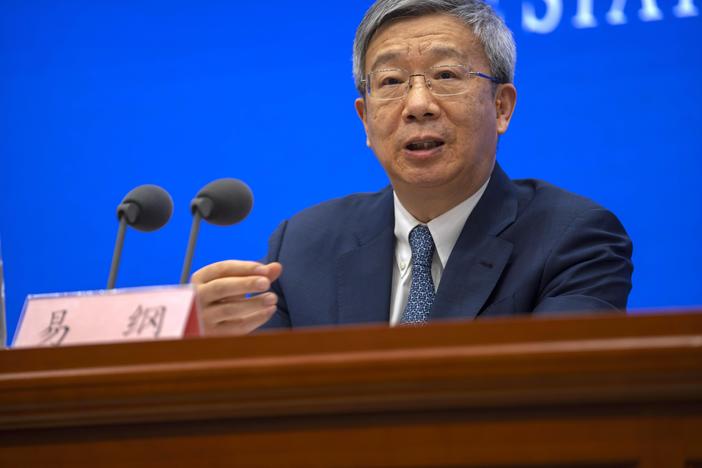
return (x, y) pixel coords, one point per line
(241, 306)
(239, 324)
(273, 271)
(233, 311)
(227, 289)
(224, 269)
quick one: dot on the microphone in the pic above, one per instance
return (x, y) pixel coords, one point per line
(146, 208)
(222, 202)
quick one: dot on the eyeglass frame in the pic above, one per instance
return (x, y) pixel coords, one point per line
(427, 81)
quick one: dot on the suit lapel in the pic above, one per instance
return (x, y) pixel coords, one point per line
(479, 256)
(364, 274)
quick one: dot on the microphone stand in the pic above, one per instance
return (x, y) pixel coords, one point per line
(3, 322)
(194, 231)
(145, 208)
(117, 254)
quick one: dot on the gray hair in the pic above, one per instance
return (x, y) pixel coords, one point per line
(487, 26)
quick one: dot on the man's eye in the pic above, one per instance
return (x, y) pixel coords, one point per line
(390, 81)
(445, 75)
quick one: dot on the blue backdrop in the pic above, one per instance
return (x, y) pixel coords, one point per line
(98, 97)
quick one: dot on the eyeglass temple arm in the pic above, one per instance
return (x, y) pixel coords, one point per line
(487, 77)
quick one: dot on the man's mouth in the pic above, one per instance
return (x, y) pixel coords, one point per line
(424, 145)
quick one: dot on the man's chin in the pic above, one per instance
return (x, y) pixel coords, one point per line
(423, 181)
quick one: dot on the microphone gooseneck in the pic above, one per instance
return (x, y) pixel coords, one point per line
(222, 202)
(145, 208)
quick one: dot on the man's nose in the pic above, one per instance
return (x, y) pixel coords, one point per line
(420, 102)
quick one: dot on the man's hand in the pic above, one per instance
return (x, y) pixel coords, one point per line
(222, 288)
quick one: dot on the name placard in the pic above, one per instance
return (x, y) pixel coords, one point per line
(108, 316)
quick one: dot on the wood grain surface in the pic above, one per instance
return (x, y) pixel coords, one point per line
(589, 391)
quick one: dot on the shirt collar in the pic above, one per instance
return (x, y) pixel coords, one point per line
(444, 229)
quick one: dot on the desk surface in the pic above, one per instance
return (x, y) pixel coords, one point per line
(606, 390)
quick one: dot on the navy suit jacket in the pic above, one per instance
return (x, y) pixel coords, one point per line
(527, 248)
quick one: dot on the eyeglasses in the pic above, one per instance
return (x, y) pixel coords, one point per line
(443, 80)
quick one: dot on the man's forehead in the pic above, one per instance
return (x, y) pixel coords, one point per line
(428, 37)
(430, 51)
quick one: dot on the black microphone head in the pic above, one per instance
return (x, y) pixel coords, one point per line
(146, 208)
(223, 201)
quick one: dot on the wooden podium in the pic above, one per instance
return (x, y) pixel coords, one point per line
(605, 391)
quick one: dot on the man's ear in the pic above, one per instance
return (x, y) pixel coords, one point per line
(360, 105)
(505, 100)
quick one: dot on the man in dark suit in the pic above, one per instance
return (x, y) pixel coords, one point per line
(453, 236)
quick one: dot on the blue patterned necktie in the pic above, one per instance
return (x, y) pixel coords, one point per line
(421, 294)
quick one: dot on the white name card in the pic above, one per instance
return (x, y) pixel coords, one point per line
(108, 316)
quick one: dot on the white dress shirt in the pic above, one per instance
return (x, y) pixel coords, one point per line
(445, 230)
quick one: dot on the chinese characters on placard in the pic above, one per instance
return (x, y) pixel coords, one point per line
(146, 321)
(56, 332)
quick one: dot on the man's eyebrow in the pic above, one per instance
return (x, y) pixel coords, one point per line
(439, 51)
(385, 57)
